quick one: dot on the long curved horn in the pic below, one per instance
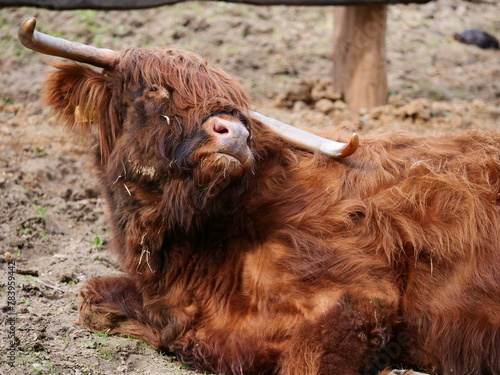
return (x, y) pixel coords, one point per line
(307, 141)
(50, 45)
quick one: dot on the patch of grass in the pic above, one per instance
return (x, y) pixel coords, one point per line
(44, 235)
(29, 279)
(41, 211)
(88, 15)
(107, 352)
(103, 334)
(97, 242)
(91, 26)
(67, 340)
(38, 362)
(159, 352)
(50, 367)
(41, 151)
(97, 41)
(104, 344)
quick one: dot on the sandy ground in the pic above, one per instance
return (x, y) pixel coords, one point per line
(51, 216)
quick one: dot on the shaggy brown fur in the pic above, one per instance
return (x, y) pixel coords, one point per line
(273, 260)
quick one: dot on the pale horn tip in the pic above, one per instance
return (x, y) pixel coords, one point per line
(352, 146)
(26, 30)
(28, 26)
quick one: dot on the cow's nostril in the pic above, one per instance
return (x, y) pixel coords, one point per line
(221, 129)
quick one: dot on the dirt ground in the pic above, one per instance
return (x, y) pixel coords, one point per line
(52, 220)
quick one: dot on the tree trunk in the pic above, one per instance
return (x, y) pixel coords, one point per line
(359, 57)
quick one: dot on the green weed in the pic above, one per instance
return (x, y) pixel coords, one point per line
(40, 210)
(97, 242)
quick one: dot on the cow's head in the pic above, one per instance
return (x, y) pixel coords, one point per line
(165, 111)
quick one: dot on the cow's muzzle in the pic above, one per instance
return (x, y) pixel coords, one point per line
(228, 136)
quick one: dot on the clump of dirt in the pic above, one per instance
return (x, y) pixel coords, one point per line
(52, 220)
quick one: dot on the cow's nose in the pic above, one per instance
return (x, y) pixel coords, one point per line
(225, 129)
(228, 136)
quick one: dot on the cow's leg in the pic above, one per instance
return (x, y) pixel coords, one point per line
(343, 341)
(114, 305)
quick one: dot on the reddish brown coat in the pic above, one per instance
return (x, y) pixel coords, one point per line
(287, 262)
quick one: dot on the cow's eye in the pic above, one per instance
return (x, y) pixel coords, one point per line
(153, 88)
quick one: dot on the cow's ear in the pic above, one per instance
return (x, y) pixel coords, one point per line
(80, 96)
